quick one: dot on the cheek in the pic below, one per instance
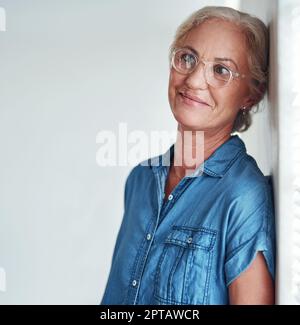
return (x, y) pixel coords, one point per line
(175, 82)
(171, 88)
(228, 98)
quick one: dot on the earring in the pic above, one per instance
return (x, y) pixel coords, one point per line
(244, 110)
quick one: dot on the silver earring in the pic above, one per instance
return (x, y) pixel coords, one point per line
(244, 110)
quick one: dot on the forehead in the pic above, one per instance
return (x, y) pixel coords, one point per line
(216, 38)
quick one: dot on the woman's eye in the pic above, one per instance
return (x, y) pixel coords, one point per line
(221, 69)
(188, 60)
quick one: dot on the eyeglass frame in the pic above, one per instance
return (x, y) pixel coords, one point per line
(233, 74)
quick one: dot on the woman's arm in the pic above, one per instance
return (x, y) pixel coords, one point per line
(254, 286)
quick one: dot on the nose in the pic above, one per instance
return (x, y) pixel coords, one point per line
(196, 79)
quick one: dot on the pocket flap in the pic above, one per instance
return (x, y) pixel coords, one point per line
(188, 237)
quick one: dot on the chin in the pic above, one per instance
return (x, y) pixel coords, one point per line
(191, 119)
(189, 122)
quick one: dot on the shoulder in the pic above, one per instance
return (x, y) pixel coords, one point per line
(139, 176)
(250, 196)
(139, 171)
(246, 181)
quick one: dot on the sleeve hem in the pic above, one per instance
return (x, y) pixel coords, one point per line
(243, 259)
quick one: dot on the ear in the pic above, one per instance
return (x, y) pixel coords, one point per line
(248, 102)
(262, 87)
(252, 100)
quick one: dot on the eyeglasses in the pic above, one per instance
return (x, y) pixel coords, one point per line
(216, 73)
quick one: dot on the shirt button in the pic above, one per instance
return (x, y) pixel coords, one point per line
(148, 236)
(134, 283)
(170, 197)
(190, 239)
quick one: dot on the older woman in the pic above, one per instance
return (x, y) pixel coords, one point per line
(202, 235)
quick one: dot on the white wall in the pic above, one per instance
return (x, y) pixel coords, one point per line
(288, 193)
(262, 134)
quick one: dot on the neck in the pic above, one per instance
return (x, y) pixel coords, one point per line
(194, 147)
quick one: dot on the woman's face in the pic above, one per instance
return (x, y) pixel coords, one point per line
(212, 39)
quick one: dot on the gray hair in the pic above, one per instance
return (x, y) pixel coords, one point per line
(257, 42)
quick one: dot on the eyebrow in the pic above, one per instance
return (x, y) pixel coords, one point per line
(216, 59)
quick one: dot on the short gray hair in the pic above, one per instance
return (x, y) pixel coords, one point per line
(257, 42)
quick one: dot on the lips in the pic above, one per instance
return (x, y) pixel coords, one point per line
(192, 97)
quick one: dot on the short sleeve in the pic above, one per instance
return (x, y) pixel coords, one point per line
(252, 230)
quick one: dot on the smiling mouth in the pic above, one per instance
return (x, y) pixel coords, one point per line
(191, 101)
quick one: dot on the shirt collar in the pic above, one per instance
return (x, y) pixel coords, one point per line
(216, 165)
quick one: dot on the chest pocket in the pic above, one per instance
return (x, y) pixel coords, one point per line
(183, 271)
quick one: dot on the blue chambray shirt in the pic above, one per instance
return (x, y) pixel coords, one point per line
(188, 249)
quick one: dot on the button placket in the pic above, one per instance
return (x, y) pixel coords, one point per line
(137, 279)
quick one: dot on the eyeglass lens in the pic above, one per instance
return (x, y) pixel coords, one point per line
(216, 73)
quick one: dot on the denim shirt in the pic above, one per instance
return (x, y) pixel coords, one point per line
(191, 248)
